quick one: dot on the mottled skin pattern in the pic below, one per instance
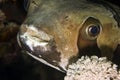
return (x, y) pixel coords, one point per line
(63, 28)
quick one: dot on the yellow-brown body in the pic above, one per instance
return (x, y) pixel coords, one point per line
(58, 32)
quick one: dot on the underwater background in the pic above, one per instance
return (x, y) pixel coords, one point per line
(14, 63)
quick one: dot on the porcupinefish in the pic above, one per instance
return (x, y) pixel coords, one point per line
(58, 32)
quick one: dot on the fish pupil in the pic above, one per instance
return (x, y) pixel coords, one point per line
(94, 30)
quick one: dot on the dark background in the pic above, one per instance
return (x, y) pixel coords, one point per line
(14, 63)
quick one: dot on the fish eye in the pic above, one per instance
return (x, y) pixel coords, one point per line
(93, 31)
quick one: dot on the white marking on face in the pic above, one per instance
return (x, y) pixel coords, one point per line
(33, 28)
(45, 62)
(32, 41)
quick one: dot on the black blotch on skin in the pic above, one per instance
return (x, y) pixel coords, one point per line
(49, 55)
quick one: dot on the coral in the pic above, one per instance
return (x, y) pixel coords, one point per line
(92, 68)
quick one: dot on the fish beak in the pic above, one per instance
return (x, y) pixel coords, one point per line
(39, 45)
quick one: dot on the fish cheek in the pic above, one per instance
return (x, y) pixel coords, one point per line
(87, 47)
(108, 40)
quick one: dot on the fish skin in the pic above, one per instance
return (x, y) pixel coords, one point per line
(55, 32)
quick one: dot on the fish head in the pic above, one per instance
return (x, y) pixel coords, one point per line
(59, 32)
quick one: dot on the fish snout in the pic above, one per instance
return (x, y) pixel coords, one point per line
(40, 45)
(34, 38)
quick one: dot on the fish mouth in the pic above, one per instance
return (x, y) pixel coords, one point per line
(33, 38)
(40, 46)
